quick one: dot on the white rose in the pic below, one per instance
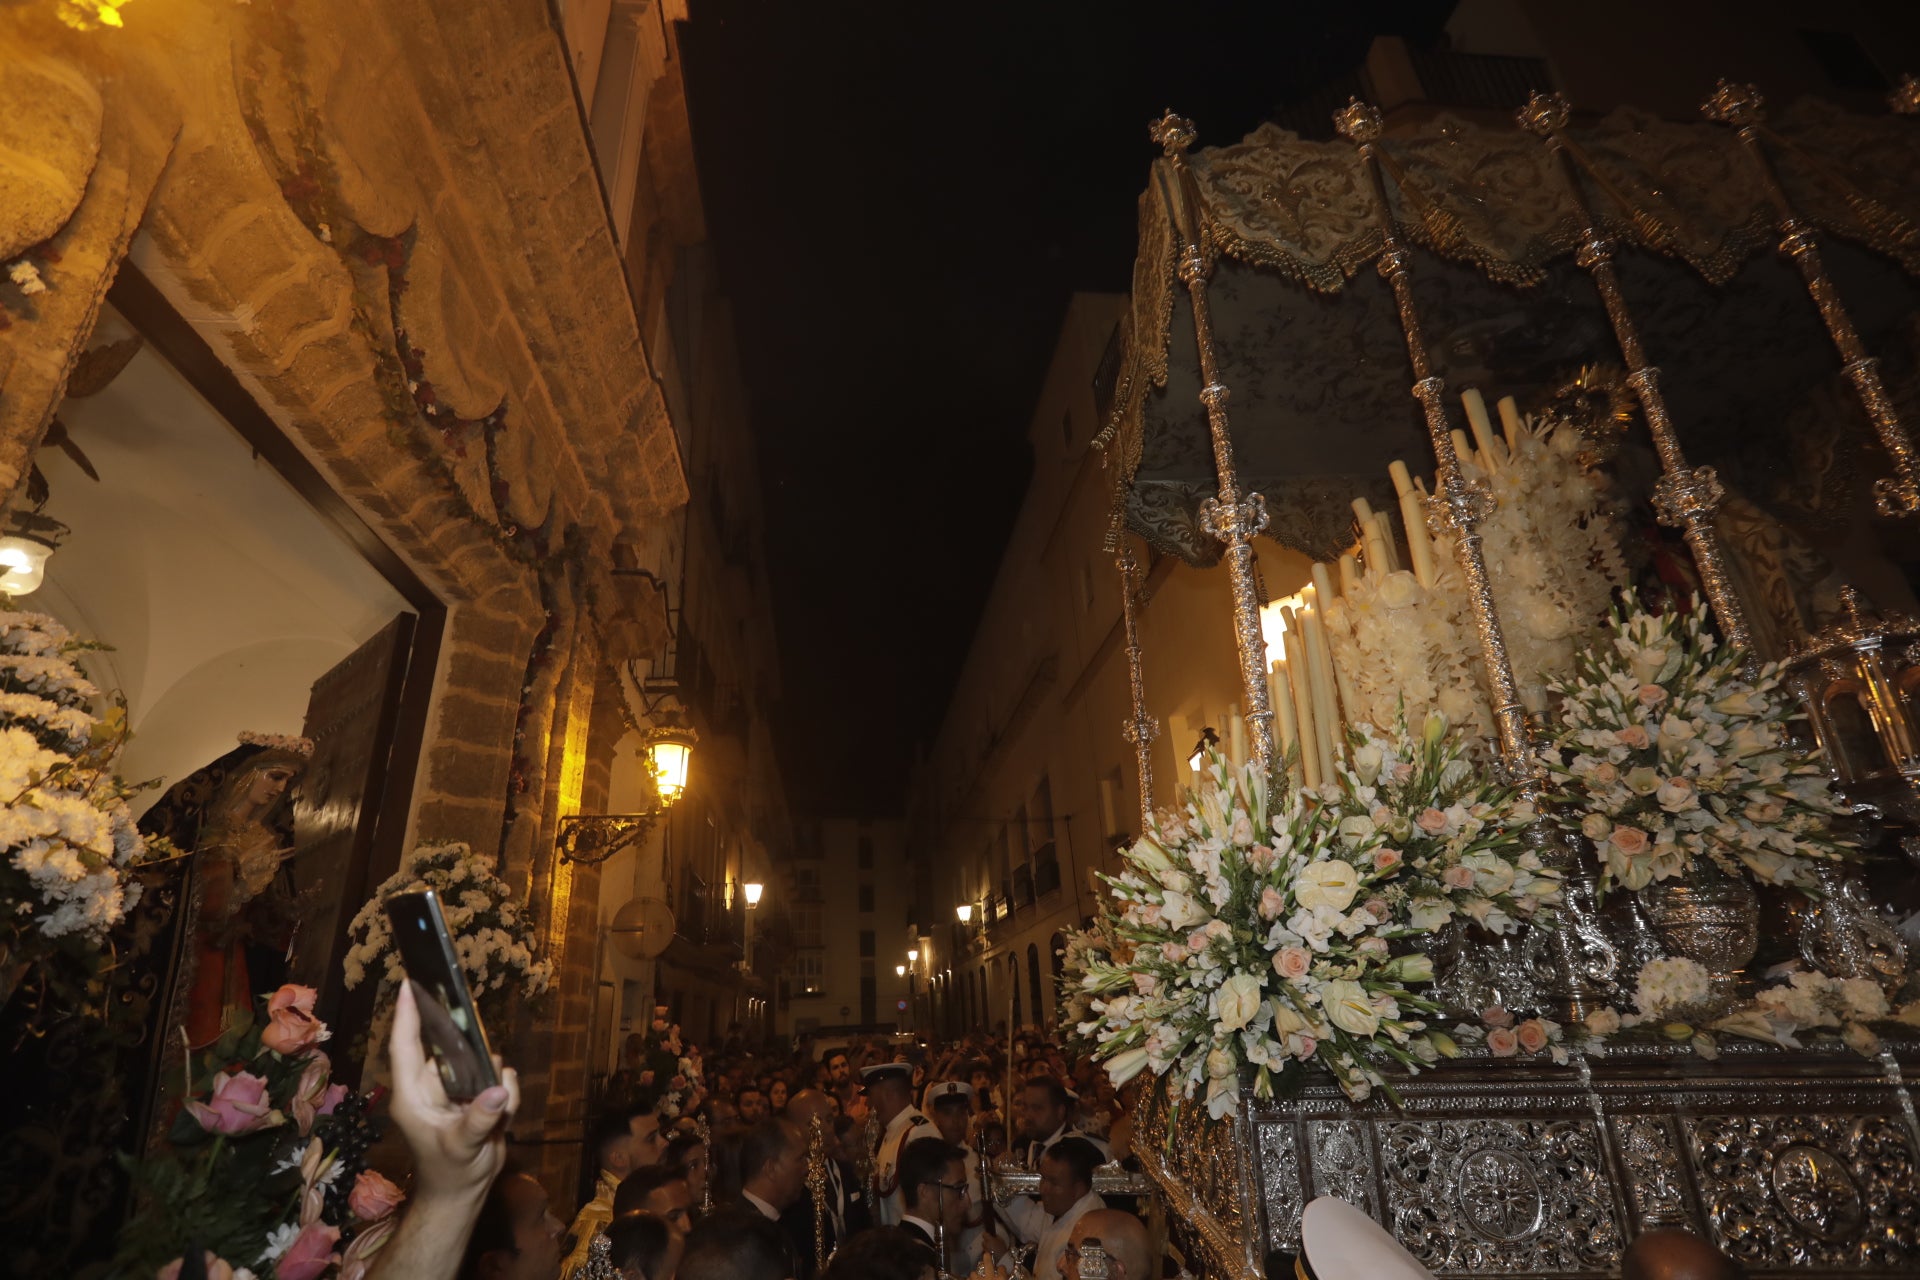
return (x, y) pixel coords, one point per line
(1349, 1008)
(1428, 914)
(1330, 883)
(1596, 826)
(1180, 911)
(1219, 1064)
(1237, 1001)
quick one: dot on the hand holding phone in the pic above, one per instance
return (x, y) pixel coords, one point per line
(450, 1026)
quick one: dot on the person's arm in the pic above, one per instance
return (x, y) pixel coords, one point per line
(458, 1149)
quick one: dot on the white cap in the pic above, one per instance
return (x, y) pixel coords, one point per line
(1341, 1242)
(946, 1089)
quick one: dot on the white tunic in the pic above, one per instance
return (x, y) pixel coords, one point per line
(909, 1126)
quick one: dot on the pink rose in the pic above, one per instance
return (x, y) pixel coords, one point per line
(1273, 903)
(238, 1104)
(292, 1027)
(311, 1093)
(1386, 859)
(1402, 771)
(1173, 952)
(333, 1097)
(1457, 877)
(1260, 859)
(1145, 983)
(1307, 1045)
(1633, 736)
(1532, 1035)
(1631, 841)
(1606, 773)
(1502, 1042)
(1292, 962)
(373, 1197)
(1372, 945)
(1652, 695)
(310, 1254)
(357, 1260)
(217, 1268)
(1496, 1016)
(1378, 909)
(1432, 821)
(1150, 913)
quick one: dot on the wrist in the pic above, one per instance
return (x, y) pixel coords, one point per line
(462, 1190)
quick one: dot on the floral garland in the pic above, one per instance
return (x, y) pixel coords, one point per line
(673, 1069)
(69, 838)
(263, 1168)
(493, 937)
(1268, 927)
(1666, 753)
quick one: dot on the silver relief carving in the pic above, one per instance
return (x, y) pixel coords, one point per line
(1280, 1183)
(1652, 1162)
(1342, 1163)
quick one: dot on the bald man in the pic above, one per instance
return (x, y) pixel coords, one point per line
(1121, 1235)
(1669, 1253)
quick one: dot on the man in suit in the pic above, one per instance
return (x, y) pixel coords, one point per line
(889, 1090)
(1044, 1111)
(773, 1182)
(933, 1194)
(660, 1191)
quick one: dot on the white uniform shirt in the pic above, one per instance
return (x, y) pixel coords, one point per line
(909, 1126)
(1046, 1263)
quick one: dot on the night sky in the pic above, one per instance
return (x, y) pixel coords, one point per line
(902, 196)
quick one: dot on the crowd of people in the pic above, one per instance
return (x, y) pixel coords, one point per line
(866, 1160)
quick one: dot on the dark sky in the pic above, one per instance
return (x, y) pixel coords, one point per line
(902, 196)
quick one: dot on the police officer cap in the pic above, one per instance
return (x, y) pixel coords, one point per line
(870, 1076)
(945, 1089)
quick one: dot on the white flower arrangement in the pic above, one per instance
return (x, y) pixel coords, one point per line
(1250, 930)
(1405, 648)
(493, 937)
(1667, 754)
(68, 837)
(1504, 1037)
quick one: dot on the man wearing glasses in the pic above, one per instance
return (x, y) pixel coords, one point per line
(934, 1195)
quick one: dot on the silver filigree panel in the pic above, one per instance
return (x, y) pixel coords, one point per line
(1280, 1185)
(1501, 1196)
(1343, 1162)
(1810, 1190)
(1655, 1182)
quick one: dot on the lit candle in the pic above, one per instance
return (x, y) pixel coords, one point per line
(1482, 427)
(1298, 672)
(1286, 727)
(1510, 422)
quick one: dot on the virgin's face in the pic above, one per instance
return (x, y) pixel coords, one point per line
(270, 784)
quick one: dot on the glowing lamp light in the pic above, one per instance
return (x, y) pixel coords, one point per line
(964, 911)
(753, 891)
(23, 563)
(913, 957)
(899, 971)
(670, 756)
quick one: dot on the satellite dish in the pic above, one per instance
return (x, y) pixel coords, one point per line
(642, 928)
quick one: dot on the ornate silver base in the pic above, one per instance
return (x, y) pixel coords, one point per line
(1790, 1162)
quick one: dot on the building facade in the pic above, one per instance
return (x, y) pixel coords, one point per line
(851, 929)
(483, 506)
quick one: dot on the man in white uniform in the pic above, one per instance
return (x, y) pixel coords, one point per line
(1066, 1195)
(889, 1090)
(950, 1104)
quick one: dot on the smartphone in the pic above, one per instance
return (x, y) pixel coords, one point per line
(449, 1024)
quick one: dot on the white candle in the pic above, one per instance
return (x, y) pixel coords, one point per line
(1236, 738)
(1286, 728)
(1482, 427)
(1413, 514)
(1298, 673)
(1402, 482)
(1384, 522)
(1464, 448)
(1378, 562)
(1510, 422)
(1349, 573)
(1326, 713)
(1323, 584)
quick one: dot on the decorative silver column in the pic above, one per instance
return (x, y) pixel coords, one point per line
(1232, 517)
(1142, 728)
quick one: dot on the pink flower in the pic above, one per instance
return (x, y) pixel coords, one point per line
(1402, 771)
(1150, 913)
(1307, 1045)
(1502, 1042)
(1532, 1035)
(1496, 1016)
(1260, 859)
(1292, 962)
(1173, 952)
(1273, 903)
(310, 1254)
(1378, 909)
(238, 1104)
(1631, 841)
(373, 1197)
(1386, 859)
(1457, 877)
(357, 1260)
(292, 1027)
(1633, 736)
(311, 1092)
(217, 1268)
(1432, 821)
(646, 1079)
(1651, 695)
(333, 1097)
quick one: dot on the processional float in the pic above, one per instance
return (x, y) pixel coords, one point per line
(1787, 1158)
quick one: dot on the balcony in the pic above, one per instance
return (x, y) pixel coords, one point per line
(1046, 870)
(1023, 886)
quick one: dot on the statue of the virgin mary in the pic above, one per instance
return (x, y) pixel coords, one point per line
(235, 817)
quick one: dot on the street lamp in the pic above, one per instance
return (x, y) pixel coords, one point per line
(913, 957)
(899, 971)
(753, 890)
(670, 756)
(964, 911)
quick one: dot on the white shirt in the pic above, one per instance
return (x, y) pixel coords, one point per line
(909, 1126)
(1046, 1263)
(767, 1211)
